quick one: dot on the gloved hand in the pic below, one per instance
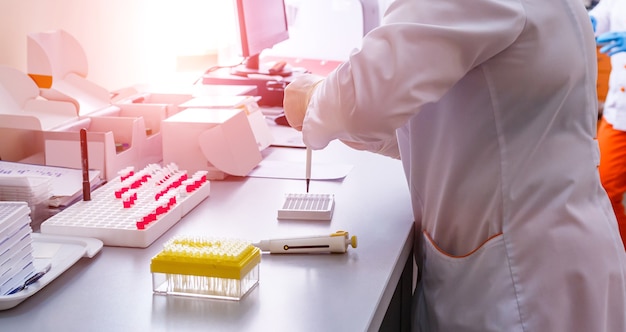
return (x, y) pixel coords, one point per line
(387, 148)
(615, 42)
(594, 23)
(297, 96)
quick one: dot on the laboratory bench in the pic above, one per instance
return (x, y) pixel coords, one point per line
(366, 289)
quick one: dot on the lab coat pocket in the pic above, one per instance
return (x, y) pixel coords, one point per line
(469, 293)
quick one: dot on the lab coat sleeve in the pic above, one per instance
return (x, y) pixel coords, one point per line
(419, 52)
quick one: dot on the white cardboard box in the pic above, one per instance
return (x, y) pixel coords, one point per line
(218, 140)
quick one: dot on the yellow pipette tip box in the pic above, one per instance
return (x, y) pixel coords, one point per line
(206, 267)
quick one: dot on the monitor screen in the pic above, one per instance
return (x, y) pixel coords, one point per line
(262, 24)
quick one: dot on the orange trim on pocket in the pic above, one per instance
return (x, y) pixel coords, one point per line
(42, 81)
(462, 256)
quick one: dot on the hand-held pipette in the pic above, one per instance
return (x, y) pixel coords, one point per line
(337, 242)
(308, 168)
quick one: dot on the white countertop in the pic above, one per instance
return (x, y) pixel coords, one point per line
(329, 292)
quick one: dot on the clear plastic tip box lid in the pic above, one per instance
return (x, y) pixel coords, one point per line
(206, 267)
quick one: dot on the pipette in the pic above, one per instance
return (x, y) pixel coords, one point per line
(308, 168)
(337, 242)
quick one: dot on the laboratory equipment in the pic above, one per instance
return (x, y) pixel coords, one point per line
(262, 24)
(337, 242)
(307, 175)
(205, 267)
(54, 254)
(249, 104)
(307, 207)
(135, 208)
(218, 140)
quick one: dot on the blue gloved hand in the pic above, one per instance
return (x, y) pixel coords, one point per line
(612, 42)
(594, 23)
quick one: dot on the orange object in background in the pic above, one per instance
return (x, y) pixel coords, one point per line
(604, 70)
(42, 81)
(613, 148)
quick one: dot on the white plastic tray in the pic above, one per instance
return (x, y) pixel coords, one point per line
(105, 218)
(61, 252)
(307, 207)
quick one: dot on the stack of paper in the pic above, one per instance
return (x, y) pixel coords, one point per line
(35, 191)
(16, 250)
(65, 184)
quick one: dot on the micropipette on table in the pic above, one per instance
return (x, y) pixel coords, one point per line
(337, 242)
(308, 168)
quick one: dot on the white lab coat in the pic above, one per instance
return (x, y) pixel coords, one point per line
(494, 106)
(611, 16)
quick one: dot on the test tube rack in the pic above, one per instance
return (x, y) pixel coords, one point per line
(134, 209)
(307, 206)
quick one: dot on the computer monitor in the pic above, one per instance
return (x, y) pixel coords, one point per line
(262, 24)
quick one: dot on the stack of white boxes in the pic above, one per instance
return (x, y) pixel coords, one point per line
(34, 190)
(16, 249)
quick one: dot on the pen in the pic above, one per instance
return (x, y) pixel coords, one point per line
(33, 279)
(85, 164)
(308, 168)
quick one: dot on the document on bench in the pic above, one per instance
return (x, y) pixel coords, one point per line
(66, 183)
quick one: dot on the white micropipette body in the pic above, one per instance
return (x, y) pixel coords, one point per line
(308, 168)
(337, 242)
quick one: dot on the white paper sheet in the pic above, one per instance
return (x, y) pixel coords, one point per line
(296, 170)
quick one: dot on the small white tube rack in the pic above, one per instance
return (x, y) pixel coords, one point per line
(307, 206)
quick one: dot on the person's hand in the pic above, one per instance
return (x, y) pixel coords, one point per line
(594, 23)
(297, 96)
(387, 148)
(612, 42)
